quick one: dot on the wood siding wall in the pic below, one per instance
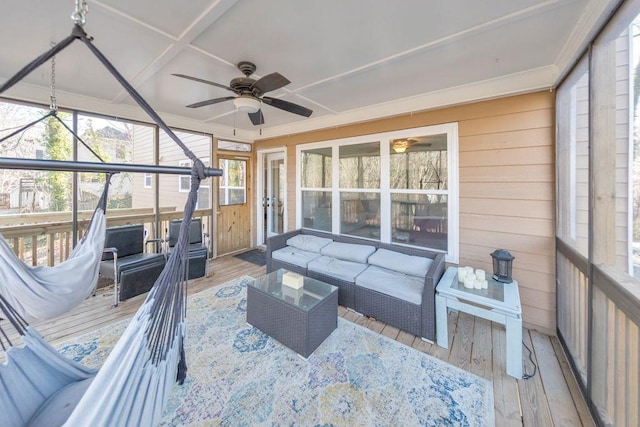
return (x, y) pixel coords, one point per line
(507, 186)
(143, 155)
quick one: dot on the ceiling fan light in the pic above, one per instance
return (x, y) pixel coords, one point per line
(245, 103)
(400, 145)
(399, 150)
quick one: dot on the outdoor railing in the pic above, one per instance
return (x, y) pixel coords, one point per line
(599, 327)
(52, 232)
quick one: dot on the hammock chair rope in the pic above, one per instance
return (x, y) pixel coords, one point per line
(132, 386)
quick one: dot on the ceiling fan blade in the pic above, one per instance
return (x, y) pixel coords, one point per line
(210, 101)
(256, 118)
(270, 82)
(195, 79)
(287, 106)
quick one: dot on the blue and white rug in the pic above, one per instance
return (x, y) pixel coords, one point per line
(239, 376)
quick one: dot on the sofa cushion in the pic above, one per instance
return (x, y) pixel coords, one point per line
(388, 282)
(348, 251)
(294, 256)
(308, 242)
(338, 268)
(402, 263)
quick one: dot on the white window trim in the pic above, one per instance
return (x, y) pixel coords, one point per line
(150, 178)
(451, 129)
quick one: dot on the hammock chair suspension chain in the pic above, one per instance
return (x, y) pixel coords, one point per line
(53, 103)
(80, 14)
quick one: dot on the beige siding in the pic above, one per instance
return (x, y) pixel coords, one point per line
(172, 155)
(507, 186)
(142, 154)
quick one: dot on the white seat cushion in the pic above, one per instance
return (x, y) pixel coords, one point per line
(338, 268)
(294, 256)
(307, 242)
(348, 251)
(402, 263)
(399, 285)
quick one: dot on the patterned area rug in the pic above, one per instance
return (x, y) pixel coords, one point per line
(240, 376)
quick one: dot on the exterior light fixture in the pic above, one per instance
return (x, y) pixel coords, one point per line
(502, 265)
(246, 103)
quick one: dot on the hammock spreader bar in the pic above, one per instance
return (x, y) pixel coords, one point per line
(72, 166)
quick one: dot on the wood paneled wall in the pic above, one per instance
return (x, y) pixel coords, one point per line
(507, 186)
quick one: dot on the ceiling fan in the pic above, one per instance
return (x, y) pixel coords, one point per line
(250, 93)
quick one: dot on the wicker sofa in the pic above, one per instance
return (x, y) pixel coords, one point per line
(394, 284)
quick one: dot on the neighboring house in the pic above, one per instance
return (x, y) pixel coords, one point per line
(173, 188)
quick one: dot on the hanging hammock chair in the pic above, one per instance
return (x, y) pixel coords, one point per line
(131, 388)
(42, 293)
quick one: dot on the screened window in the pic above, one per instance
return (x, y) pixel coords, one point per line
(572, 114)
(148, 180)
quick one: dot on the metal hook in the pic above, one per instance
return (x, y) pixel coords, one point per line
(79, 16)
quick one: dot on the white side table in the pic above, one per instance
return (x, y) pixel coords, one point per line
(500, 303)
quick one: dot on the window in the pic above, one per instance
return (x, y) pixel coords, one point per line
(359, 182)
(418, 179)
(233, 182)
(184, 181)
(234, 146)
(396, 187)
(148, 180)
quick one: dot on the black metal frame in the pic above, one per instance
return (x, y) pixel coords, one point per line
(74, 166)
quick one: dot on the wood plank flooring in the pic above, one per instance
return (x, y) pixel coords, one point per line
(550, 398)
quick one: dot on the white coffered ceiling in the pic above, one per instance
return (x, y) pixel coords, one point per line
(348, 60)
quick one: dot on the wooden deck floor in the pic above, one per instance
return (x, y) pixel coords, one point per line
(550, 398)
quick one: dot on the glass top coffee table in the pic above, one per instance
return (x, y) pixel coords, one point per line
(301, 318)
(499, 303)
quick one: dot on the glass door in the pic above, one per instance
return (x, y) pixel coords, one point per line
(274, 197)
